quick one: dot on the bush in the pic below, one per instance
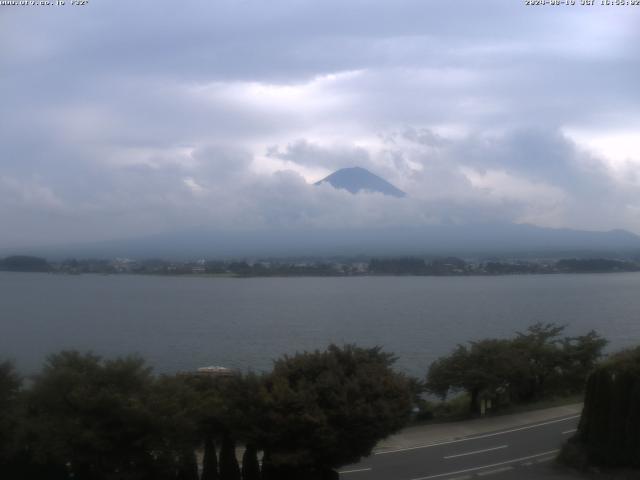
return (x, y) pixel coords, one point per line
(573, 454)
(87, 418)
(609, 429)
(531, 366)
(327, 409)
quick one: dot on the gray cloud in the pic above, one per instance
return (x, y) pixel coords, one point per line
(304, 152)
(123, 118)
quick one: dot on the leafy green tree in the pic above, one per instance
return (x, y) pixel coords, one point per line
(92, 419)
(175, 407)
(10, 385)
(224, 413)
(540, 360)
(24, 263)
(481, 368)
(550, 364)
(243, 407)
(534, 364)
(230, 410)
(90, 415)
(581, 355)
(327, 409)
(398, 266)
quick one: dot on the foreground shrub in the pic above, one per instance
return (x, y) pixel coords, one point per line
(534, 365)
(86, 418)
(609, 430)
(327, 409)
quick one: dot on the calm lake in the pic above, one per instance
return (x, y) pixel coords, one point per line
(181, 323)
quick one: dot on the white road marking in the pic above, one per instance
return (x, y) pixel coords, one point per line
(476, 451)
(506, 462)
(567, 432)
(355, 471)
(492, 472)
(467, 439)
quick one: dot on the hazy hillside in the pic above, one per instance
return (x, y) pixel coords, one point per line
(480, 239)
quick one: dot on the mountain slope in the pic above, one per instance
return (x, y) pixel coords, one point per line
(517, 240)
(357, 179)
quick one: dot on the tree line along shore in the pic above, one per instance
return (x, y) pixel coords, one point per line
(89, 418)
(441, 266)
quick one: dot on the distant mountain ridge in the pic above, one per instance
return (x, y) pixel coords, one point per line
(492, 239)
(358, 179)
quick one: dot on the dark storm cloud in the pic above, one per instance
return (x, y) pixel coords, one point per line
(123, 118)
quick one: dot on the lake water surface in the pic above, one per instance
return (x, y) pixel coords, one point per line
(181, 323)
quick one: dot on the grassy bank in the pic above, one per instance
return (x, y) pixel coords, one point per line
(457, 409)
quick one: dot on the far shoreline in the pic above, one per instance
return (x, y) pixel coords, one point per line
(369, 275)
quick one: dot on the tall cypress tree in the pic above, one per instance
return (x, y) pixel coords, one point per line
(210, 460)
(188, 468)
(165, 466)
(250, 465)
(267, 471)
(609, 429)
(229, 468)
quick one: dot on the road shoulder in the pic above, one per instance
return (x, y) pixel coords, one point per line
(412, 437)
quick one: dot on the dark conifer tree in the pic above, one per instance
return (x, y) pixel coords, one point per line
(10, 385)
(229, 468)
(250, 465)
(330, 475)
(267, 467)
(188, 468)
(210, 460)
(609, 430)
(164, 467)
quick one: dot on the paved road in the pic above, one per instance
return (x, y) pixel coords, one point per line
(520, 452)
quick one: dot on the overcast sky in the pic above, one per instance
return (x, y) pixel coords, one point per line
(125, 118)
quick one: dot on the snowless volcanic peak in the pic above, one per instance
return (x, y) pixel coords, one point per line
(357, 179)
